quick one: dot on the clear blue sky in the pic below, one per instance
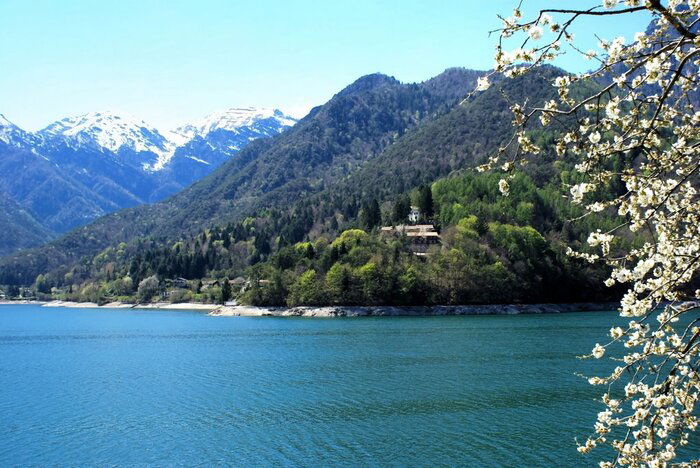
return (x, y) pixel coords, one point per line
(170, 62)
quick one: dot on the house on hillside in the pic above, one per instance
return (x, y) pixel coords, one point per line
(414, 214)
(420, 236)
(206, 284)
(176, 283)
(248, 283)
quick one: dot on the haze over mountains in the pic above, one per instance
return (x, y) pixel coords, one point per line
(82, 167)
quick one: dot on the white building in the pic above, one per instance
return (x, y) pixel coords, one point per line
(420, 236)
(414, 214)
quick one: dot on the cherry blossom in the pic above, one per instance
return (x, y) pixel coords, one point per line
(639, 108)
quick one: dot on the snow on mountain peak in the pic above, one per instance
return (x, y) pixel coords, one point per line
(110, 130)
(116, 132)
(12, 134)
(4, 122)
(235, 118)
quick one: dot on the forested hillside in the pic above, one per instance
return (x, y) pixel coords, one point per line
(493, 249)
(299, 216)
(333, 141)
(19, 228)
(49, 193)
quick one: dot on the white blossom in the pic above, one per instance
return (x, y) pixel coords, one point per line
(640, 117)
(598, 351)
(482, 83)
(535, 33)
(503, 186)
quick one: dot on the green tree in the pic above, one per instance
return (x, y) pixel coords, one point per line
(371, 283)
(402, 207)
(371, 215)
(409, 287)
(425, 202)
(225, 290)
(306, 290)
(339, 283)
(41, 285)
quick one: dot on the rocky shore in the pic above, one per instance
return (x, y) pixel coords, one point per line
(413, 311)
(341, 311)
(126, 305)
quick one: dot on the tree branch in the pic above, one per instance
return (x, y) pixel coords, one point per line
(656, 5)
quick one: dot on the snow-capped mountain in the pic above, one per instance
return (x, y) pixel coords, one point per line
(121, 133)
(11, 134)
(219, 136)
(85, 166)
(111, 131)
(238, 119)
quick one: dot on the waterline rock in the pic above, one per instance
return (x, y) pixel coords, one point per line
(410, 311)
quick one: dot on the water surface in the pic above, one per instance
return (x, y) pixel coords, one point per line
(155, 387)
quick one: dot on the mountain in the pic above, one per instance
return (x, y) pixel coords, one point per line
(120, 134)
(249, 121)
(212, 140)
(11, 134)
(51, 195)
(19, 228)
(82, 167)
(458, 139)
(494, 248)
(332, 142)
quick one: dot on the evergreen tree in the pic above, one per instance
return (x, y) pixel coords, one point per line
(225, 291)
(371, 215)
(262, 244)
(402, 208)
(425, 202)
(375, 213)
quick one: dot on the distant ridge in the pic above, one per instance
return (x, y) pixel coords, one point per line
(81, 167)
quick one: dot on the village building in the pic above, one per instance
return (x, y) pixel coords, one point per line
(176, 283)
(248, 284)
(420, 236)
(206, 284)
(414, 214)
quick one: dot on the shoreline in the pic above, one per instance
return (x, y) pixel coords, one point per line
(23, 302)
(217, 310)
(116, 305)
(410, 311)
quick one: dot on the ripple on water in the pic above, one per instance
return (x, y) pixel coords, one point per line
(177, 388)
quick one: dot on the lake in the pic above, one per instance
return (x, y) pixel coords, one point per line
(157, 387)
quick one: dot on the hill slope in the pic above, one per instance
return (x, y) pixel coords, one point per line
(19, 229)
(334, 140)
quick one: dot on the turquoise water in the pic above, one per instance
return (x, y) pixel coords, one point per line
(145, 387)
